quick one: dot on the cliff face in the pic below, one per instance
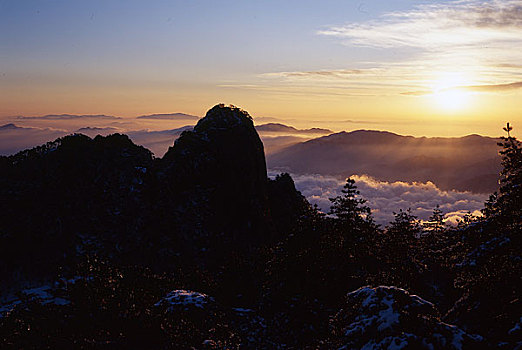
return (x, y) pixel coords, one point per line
(217, 180)
(223, 147)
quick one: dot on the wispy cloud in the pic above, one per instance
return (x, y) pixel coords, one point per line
(475, 37)
(472, 88)
(459, 25)
(336, 73)
(411, 52)
(509, 65)
(370, 79)
(493, 87)
(416, 93)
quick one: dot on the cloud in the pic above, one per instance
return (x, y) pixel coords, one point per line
(417, 93)
(284, 85)
(472, 88)
(369, 79)
(337, 73)
(436, 27)
(387, 197)
(15, 138)
(509, 65)
(499, 14)
(157, 141)
(478, 37)
(494, 87)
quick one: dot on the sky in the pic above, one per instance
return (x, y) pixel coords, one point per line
(423, 68)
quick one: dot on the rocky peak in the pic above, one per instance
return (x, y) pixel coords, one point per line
(224, 117)
(226, 134)
(220, 164)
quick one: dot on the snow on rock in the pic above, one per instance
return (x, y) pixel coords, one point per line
(517, 328)
(391, 318)
(484, 250)
(185, 299)
(46, 294)
(8, 307)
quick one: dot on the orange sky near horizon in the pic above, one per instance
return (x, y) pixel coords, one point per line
(428, 115)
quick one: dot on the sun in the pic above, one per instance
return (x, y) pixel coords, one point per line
(452, 99)
(449, 93)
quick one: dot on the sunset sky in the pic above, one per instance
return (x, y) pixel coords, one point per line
(434, 68)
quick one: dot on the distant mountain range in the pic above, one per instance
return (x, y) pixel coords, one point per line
(469, 163)
(170, 116)
(70, 116)
(281, 128)
(166, 116)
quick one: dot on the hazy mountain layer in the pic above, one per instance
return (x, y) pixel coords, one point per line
(285, 129)
(469, 163)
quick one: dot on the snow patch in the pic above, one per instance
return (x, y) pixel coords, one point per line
(185, 298)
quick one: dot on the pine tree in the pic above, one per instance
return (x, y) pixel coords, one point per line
(397, 250)
(490, 209)
(348, 208)
(435, 223)
(405, 223)
(509, 200)
(466, 220)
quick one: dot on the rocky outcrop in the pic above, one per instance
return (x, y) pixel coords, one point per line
(214, 181)
(391, 318)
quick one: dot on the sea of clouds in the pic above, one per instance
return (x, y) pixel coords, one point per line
(385, 198)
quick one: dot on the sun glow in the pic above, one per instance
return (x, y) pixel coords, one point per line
(449, 93)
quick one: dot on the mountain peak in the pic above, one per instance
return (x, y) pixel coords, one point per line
(224, 117)
(224, 152)
(9, 126)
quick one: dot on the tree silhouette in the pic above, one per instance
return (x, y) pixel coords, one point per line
(508, 202)
(348, 208)
(435, 223)
(507, 129)
(466, 220)
(397, 250)
(405, 223)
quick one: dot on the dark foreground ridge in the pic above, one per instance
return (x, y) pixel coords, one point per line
(104, 246)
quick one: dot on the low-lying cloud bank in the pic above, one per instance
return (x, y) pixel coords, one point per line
(387, 197)
(14, 138)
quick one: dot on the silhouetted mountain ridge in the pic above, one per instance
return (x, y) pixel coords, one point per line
(169, 116)
(282, 128)
(70, 116)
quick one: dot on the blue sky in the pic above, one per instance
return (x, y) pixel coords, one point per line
(185, 37)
